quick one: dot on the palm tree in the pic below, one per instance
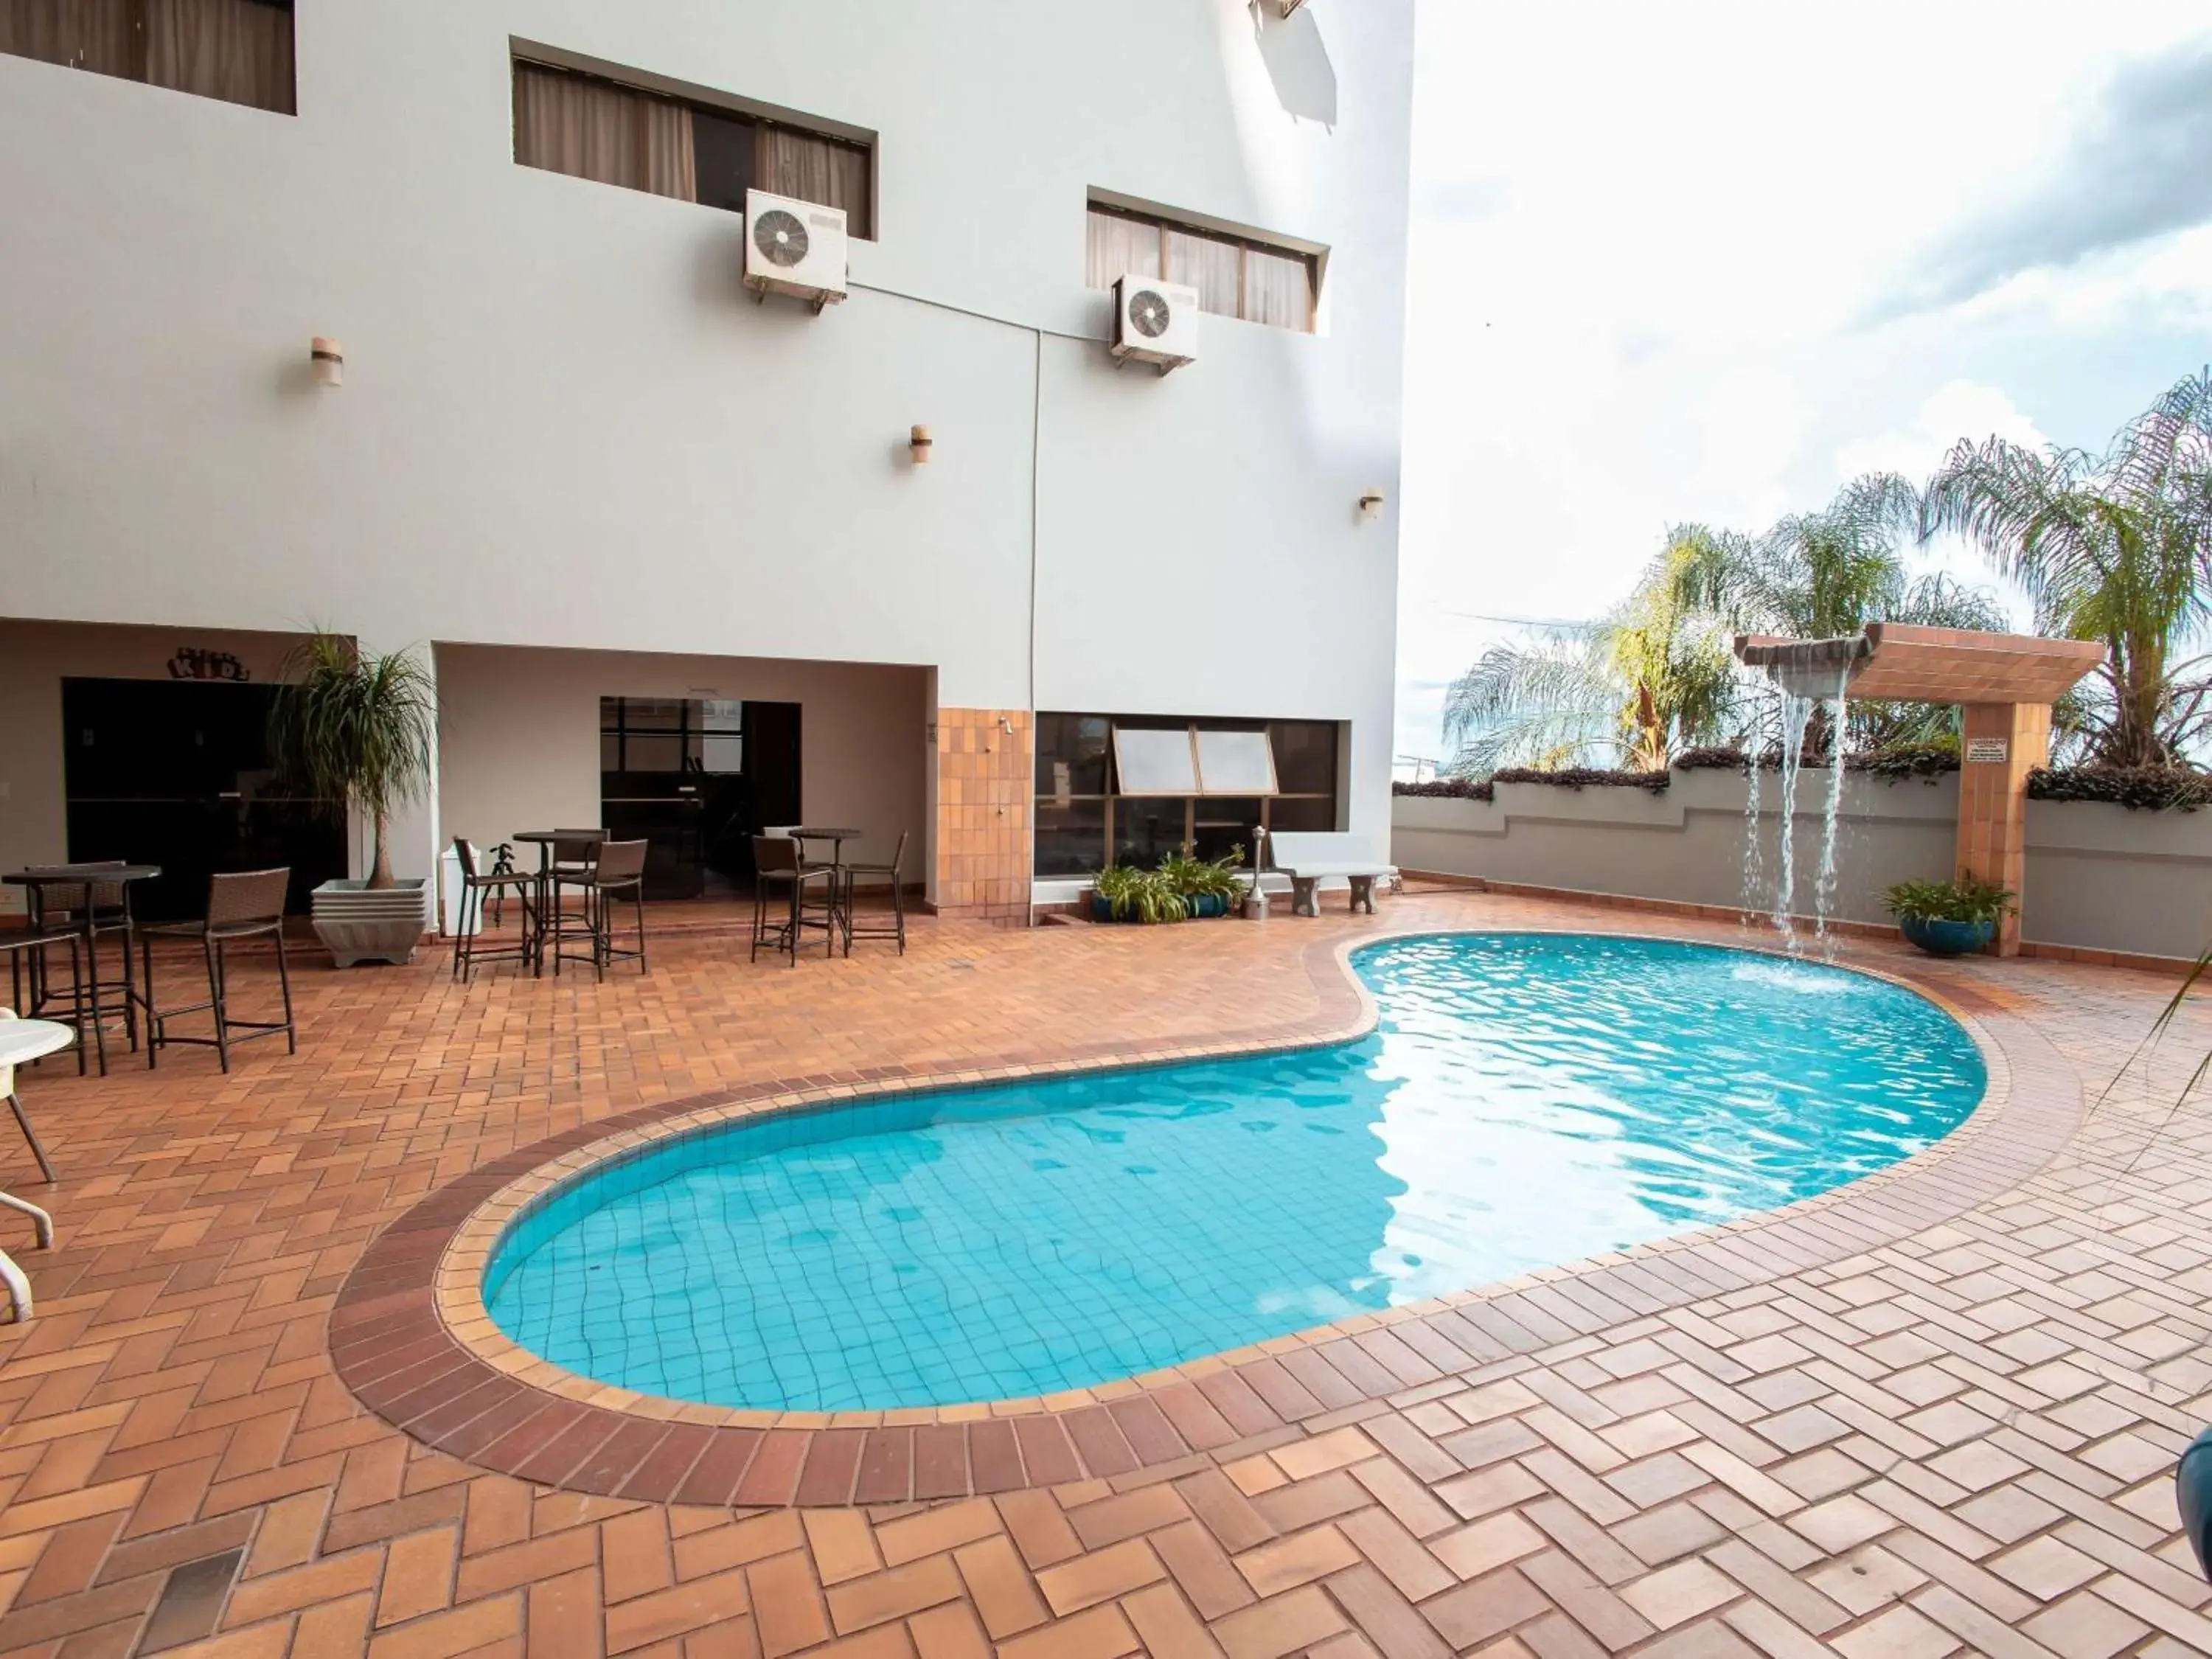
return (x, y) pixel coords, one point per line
(1826, 574)
(2116, 548)
(356, 730)
(1651, 677)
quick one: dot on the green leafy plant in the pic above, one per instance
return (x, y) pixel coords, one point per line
(1146, 894)
(1962, 900)
(1196, 878)
(356, 730)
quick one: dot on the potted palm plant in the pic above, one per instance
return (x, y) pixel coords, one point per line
(1948, 918)
(354, 730)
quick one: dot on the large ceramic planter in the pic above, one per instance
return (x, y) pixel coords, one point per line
(361, 924)
(1947, 938)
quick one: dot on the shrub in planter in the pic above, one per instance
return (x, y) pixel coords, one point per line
(1183, 887)
(1948, 918)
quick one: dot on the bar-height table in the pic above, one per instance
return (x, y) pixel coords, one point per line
(45, 882)
(543, 840)
(837, 835)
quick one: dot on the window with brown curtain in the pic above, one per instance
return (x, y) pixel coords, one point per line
(1235, 276)
(593, 128)
(238, 51)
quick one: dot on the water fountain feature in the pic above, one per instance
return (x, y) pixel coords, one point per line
(1811, 674)
(2004, 685)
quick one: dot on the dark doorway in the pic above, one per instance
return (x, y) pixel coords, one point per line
(695, 779)
(176, 773)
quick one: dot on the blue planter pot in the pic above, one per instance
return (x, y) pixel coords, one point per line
(1201, 905)
(1947, 938)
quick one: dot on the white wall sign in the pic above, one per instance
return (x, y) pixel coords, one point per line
(1989, 751)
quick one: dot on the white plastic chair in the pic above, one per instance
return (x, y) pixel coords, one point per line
(17, 1282)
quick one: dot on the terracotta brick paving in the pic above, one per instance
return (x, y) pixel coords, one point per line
(1935, 1415)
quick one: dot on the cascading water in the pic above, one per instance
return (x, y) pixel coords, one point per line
(1754, 874)
(1804, 671)
(1824, 889)
(1796, 712)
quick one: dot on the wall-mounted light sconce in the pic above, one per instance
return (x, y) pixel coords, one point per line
(328, 358)
(918, 445)
(1370, 504)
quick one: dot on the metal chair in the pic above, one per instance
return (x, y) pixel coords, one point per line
(26, 965)
(23, 1120)
(897, 929)
(248, 905)
(617, 872)
(777, 865)
(102, 907)
(475, 889)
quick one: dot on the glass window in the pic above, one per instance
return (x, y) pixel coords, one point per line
(1234, 275)
(1071, 755)
(1080, 795)
(1223, 826)
(724, 148)
(1300, 813)
(1154, 761)
(1117, 246)
(1070, 840)
(1235, 763)
(238, 51)
(1148, 828)
(1305, 757)
(1213, 267)
(593, 126)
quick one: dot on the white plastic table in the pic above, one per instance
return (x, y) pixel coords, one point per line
(22, 1041)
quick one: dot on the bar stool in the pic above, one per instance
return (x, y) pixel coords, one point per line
(475, 889)
(897, 929)
(617, 872)
(776, 864)
(26, 964)
(569, 854)
(247, 905)
(102, 907)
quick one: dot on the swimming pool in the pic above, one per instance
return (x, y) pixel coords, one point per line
(1526, 1100)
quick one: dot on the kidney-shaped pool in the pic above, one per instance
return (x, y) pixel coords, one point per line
(1525, 1100)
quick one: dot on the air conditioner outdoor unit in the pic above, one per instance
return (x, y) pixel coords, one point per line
(1155, 322)
(794, 247)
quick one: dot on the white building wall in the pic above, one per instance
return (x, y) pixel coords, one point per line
(564, 424)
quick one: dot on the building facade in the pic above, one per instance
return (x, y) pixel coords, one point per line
(665, 544)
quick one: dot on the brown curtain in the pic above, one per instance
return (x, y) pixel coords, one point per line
(586, 129)
(1212, 267)
(672, 164)
(1114, 247)
(100, 35)
(591, 129)
(240, 50)
(1277, 290)
(801, 165)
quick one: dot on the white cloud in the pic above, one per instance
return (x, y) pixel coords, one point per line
(1644, 240)
(1956, 409)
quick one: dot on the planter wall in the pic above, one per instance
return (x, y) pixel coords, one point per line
(2098, 877)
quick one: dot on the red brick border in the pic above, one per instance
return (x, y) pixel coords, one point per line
(390, 1346)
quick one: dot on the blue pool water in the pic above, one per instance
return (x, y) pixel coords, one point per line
(1527, 1099)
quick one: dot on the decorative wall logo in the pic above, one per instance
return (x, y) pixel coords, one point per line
(192, 663)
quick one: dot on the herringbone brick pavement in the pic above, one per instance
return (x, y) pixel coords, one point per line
(1958, 1438)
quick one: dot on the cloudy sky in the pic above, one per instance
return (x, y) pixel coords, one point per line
(1704, 261)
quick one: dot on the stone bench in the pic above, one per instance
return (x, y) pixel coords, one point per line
(1308, 858)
